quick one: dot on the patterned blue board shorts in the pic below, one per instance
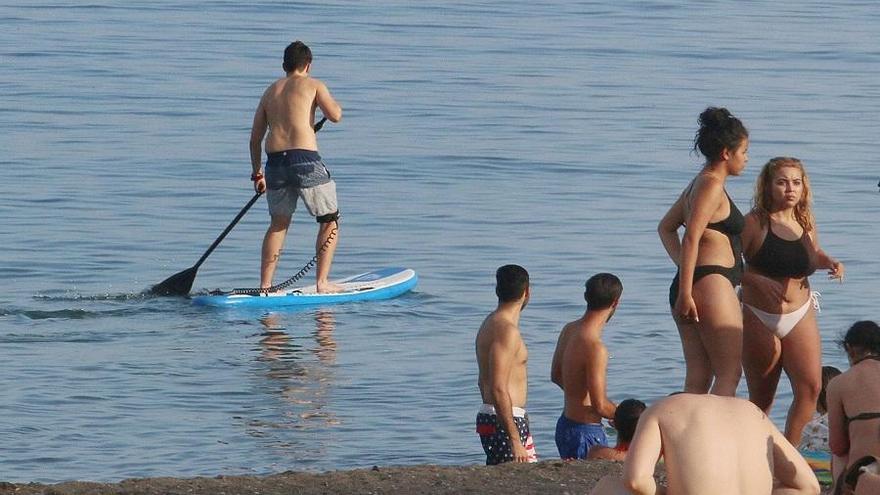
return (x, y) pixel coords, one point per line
(574, 440)
(294, 174)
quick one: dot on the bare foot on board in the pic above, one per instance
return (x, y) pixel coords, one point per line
(330, 288)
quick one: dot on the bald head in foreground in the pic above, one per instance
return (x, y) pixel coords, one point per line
(711, 445)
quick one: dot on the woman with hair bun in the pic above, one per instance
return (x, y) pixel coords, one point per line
(854, 399)
(781, 249)
(709, 258)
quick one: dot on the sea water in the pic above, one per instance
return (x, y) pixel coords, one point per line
(549, 134)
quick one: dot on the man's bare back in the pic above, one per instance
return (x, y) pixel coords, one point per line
(287, 110)
(579, 365)
(717, 445)
(289, 106)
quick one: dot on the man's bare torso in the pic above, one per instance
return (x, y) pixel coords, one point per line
(289, 104)
(577, 346)
(729, 438)
(517, 384)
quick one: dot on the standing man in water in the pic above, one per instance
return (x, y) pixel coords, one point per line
(502, 422)
(579, 367)
(294, 168)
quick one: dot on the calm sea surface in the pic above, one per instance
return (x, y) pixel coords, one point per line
(549, 134)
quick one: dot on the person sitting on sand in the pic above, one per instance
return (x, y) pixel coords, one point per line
(626, 418)
(579, 365)
(854, 399)
(710, 445)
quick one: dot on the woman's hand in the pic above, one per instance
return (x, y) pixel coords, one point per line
(836, 271)
(686, 310)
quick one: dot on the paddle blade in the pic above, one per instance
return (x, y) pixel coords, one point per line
(178, 284)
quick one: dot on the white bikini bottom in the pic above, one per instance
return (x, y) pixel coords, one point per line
(781, 325)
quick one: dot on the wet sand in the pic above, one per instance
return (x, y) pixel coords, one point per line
(552, 476)
(546, 477)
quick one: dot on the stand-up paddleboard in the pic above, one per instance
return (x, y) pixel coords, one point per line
(370, 286)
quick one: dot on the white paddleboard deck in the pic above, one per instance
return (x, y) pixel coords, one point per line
(384, 283)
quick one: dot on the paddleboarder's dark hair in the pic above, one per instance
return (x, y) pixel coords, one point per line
(296, 56)
(511, 282)
(602, 289)
(719, 129)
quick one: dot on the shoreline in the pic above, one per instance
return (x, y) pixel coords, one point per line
(550, 476)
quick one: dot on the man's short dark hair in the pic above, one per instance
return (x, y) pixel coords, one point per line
(296, 56)
(602, 290)
(626, 418)
(511, 282)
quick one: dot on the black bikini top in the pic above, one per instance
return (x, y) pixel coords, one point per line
(778, 257)
(732, 225)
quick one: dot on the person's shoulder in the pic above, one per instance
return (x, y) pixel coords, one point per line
(586, 338)
(752, 218)
(499, 327)
(842, 382)
(316, 83)
(708, 184)
(601, 452)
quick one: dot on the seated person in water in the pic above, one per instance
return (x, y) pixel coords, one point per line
(626, 417)
(710, 445)
(579, 367)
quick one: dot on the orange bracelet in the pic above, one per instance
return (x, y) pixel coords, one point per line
(256, 177)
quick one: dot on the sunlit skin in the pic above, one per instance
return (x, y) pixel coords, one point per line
(502, 360)
(710, 445)
(709, 319)
(285, 117)
(856, 391)
(765, 355)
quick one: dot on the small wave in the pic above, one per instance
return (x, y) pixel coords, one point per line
(74, 314)
(67, 314)
(72, 296)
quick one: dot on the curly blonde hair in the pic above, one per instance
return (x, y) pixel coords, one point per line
(763, 200)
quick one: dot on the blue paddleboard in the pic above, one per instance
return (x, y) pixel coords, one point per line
(384, 283)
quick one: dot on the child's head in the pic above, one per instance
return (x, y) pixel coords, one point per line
(626, 418)
(828, 372)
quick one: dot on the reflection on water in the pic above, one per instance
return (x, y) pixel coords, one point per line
(324, 325)
(299, 380)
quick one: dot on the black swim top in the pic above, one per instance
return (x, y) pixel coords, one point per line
(733, 224)
(732, 227)
(778, 257)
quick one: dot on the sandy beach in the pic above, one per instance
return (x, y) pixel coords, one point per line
(545, 477)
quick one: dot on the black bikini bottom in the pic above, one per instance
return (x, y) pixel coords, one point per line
(734, 274)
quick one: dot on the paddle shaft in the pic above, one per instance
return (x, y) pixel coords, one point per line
(244, 210)
(228, 229)
(180, 283)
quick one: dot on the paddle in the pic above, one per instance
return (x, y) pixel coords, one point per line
(180, 283)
